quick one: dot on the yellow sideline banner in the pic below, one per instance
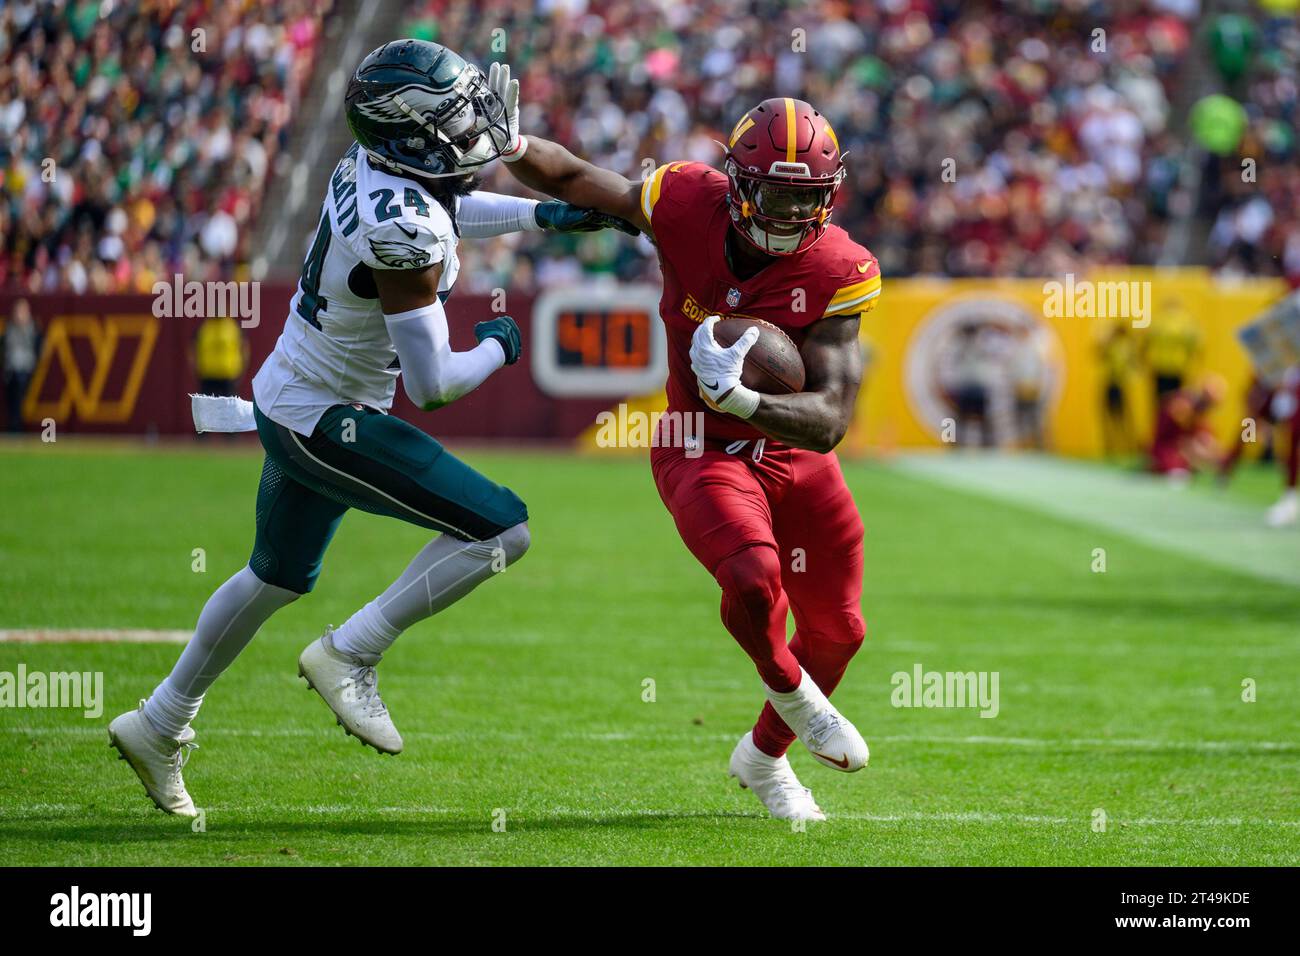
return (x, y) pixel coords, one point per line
(1045, 345)
(1174, 318)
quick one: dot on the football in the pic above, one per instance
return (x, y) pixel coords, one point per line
(773, 366)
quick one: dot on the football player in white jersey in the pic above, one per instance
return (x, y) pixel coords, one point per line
(369, 307)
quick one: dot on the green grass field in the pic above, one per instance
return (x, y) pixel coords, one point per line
(1119, 692)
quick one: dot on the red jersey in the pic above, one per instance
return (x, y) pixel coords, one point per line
(1176, 422)
(685, 204)
(1177, 419)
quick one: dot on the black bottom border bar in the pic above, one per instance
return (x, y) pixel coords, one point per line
(303, 903)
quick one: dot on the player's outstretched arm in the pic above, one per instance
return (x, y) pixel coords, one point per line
(550, 168)
(816, 418)
(432, 374)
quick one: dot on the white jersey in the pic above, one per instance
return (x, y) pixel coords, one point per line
(335, 347)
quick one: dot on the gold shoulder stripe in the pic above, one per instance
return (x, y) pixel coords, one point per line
(863, 303)
(855, 290)
(650, 190)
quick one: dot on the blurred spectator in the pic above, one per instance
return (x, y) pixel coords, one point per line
(20, 346)
(1060, 148)
(1028, 372)
(1053, 118)
(1274, 409)
(1118, 362)
(136, 136)
(220, 356)
(1232, 38)
(1169, 349)
(1252, 192)
(968, 372)
(1259, 411)
(1285, 409)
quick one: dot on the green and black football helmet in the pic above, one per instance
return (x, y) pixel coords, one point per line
(418, 107)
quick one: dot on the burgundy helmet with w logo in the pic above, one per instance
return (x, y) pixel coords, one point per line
(783, 163)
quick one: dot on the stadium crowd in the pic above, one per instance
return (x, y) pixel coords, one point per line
(1051, 121)
(984, 138)
(1255, 213)
(136, 137)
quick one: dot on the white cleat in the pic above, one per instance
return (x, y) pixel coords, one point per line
(351, 689)
(1285, 512)
(773, 782)
(156, 760)
(826, 733)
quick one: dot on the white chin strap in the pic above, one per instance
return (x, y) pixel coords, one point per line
(771, 241)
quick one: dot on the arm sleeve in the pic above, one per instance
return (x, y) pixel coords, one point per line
(432, 374)
(482, 215)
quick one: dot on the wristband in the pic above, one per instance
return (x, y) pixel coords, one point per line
(520, 148)
(742, 402)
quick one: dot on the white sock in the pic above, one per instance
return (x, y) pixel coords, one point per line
(801, 692)
(227, 623)
(170, 712)
(365, 635)
(445, 570)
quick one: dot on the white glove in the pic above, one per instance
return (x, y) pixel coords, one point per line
(507, 141)
(718, 370)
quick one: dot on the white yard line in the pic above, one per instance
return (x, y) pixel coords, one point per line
(972, 740)
(525, 815)
(1219, 531)
(82, 635)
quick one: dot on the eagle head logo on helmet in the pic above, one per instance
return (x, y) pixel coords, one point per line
(784, 168)
(418, 107)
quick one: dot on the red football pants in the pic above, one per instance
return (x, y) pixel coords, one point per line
(779, 531)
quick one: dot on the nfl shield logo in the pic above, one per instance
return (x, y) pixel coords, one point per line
(733, 298)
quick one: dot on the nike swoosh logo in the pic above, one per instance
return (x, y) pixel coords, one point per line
(710, 387)
(864, 266)
(409, 235)
(842, 763)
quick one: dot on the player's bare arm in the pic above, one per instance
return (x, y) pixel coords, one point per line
(818, 417)
(815, 418)
(550, 168)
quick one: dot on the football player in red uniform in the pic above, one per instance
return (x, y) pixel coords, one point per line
(1184, 442)
(763, 505)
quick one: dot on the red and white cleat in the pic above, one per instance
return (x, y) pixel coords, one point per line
(826, 733)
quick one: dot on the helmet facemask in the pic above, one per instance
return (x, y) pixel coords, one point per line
(781, 213)
(464, 123)
(453, 138)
